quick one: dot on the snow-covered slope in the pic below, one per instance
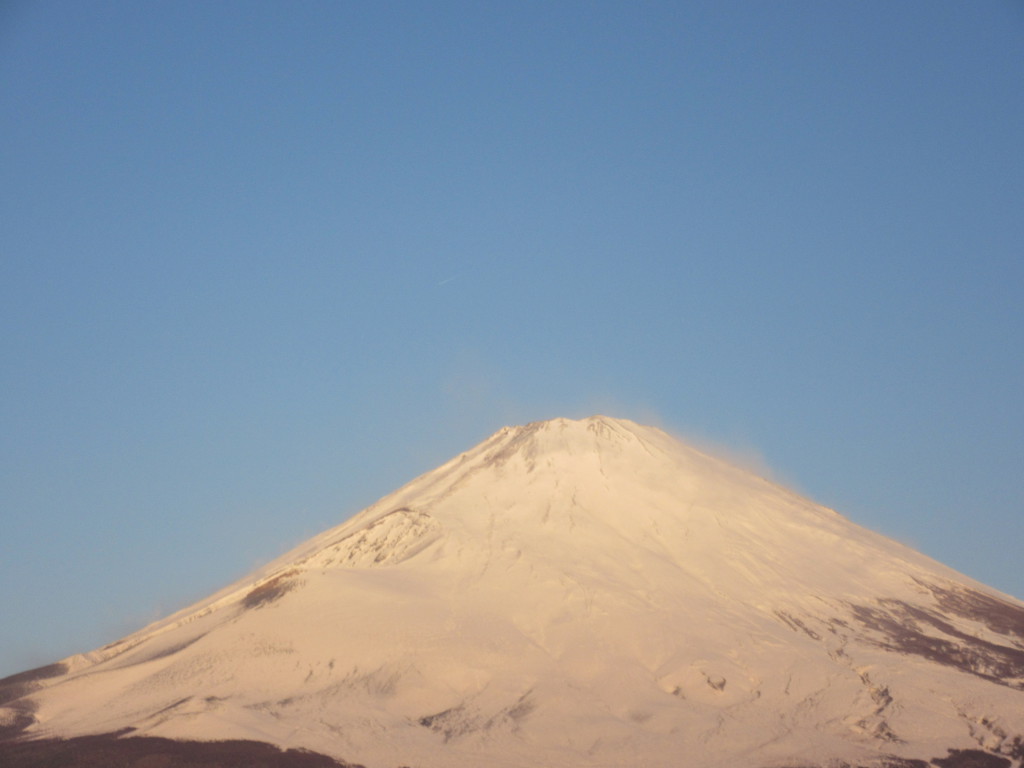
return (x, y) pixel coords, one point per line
(572, 593)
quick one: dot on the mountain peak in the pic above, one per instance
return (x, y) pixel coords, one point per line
(572, 593)
(595, 429)
(595, 434)
(600, 425)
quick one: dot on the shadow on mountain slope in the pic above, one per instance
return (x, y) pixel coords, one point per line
(16, 686)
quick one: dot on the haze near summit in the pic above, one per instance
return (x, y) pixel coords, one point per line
(262, 264)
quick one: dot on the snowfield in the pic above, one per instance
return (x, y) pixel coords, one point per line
(569, 594)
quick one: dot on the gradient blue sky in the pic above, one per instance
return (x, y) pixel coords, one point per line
(264, 262)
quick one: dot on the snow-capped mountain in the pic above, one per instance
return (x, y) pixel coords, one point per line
(573, 593)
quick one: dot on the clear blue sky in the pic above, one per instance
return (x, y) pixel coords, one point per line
(261, 263)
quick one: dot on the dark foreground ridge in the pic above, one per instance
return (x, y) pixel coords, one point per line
(109, 751)
(116, 750)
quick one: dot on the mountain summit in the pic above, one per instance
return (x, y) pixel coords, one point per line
(569, 594)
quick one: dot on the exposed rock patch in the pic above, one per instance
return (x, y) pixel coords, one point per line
(999, 616)
(270, 590)
(899, 626)
(971, 758)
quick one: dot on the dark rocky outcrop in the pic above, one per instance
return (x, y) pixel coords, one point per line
(899, 626)
(971, 758)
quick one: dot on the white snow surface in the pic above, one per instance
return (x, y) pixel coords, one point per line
(567, 593)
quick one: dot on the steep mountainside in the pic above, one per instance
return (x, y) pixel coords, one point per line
(573, 593)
